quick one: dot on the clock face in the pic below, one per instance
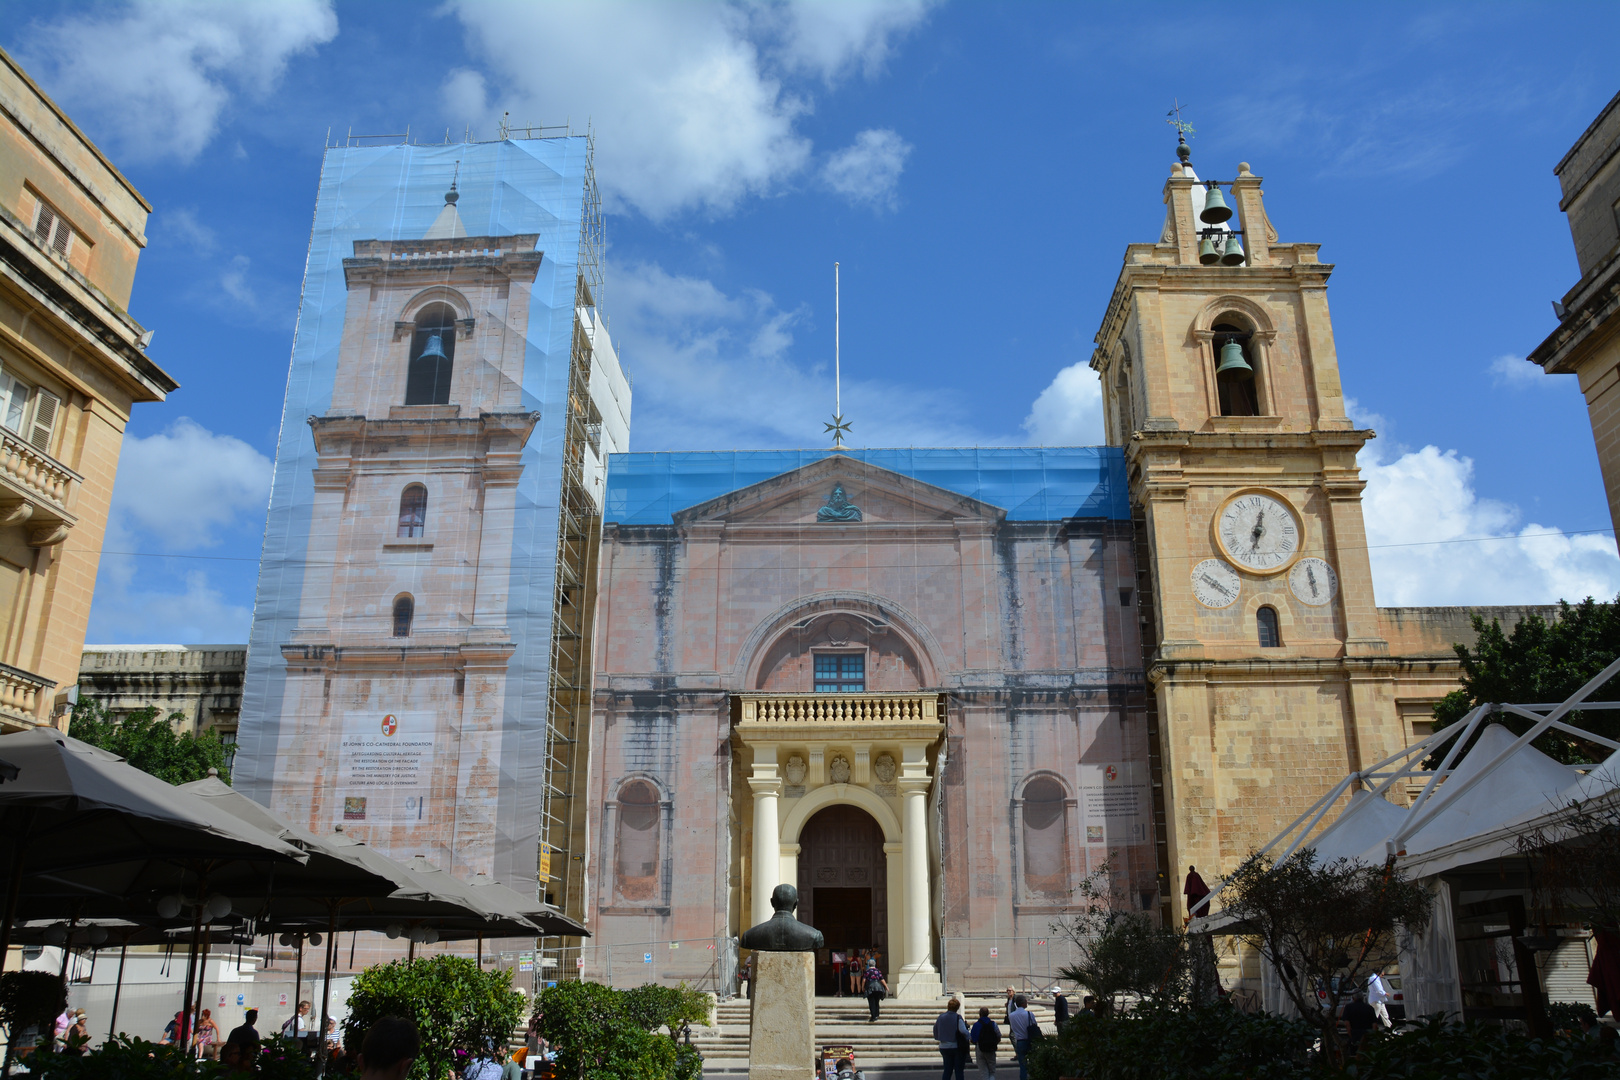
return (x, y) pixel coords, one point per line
(1313, 582)
(1215, 584)
(1258, 532)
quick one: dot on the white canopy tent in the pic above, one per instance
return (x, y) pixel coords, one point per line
(1472, 809)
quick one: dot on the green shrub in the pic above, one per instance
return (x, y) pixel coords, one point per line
(454, 1003)
(1567, 1015)
(1207, 1042)
(600, 1033)
(1434, 1050)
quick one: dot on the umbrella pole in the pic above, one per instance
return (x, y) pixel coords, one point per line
(202, 977)
(186, 1009)
(298, 982)
(326, 984)
(118, 988)
(480, 952)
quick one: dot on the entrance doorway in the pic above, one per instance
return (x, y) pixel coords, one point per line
(843, 889)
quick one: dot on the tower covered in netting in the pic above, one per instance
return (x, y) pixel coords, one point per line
(419, 663)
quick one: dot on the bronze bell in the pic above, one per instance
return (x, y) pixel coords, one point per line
(1208, 253)
(1233, 256)
(1215, 208)
(434, 348)
(1233, 366)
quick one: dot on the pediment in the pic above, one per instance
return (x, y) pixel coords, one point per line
(882, 496)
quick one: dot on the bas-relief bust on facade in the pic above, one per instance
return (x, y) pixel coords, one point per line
(782, 932)
(838, 507)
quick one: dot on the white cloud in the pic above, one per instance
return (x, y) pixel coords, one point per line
(717, 371)
(868, 170)
(1435, 541)
(690, 102)
(181, 225)
(1515, 372)
(198, 612)
(182, 484)
(153, 77)
(828, 39)
(1069, 411)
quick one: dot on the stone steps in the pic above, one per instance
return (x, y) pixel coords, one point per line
(903, 1034)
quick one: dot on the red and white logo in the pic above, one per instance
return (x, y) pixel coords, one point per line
(1110, 772)
(390, 725)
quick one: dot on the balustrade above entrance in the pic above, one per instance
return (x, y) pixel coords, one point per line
(833, 710)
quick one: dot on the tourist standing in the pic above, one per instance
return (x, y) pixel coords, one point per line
(1020, 1023)
(986, 1036)
(1359, 1017)
(877, 988)
(1006, 1013)
(951, 1032)
(1060, 1009)
(78, 1034)
(1195, 890)
(1378, 998)
(247, 1034)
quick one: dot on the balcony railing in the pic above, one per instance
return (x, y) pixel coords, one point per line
(19, 698)
(39, 478)
(876, 708)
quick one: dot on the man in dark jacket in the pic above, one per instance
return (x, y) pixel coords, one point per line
(986, 1036)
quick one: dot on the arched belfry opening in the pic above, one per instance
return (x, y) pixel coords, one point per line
(843, 888)
(433, 353)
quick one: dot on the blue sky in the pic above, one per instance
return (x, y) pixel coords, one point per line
(977, 170)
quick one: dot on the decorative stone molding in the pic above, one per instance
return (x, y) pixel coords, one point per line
(40, 485)
(19, 698)
(838, 709)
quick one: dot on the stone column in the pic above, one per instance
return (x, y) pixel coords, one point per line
(918, 979)
(767, 834)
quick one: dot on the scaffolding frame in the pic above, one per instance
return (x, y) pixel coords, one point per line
(562, 832)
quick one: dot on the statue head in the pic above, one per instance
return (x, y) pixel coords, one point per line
(838, 498)
(785, 898)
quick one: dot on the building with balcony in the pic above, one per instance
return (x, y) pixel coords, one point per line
(1586, 343)
(73, 365)
(908, 682)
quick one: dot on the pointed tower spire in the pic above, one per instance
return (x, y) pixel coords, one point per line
(448, 224)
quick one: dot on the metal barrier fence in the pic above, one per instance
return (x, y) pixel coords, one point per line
(980, 965)
(703, 963)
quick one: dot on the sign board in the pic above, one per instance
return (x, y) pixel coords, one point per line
(546, 852)
(1115, 802)
(995, 952)
(646, 958)
(526, 962)
(222, 1001)
(385, 767)
(579, 962)
(283, 999)
(241, 999)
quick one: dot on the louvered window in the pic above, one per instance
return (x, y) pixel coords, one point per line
(50, 228)
(29, 411)
(47, 407)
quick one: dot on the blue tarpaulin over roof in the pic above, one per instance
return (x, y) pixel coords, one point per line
(1037, 483)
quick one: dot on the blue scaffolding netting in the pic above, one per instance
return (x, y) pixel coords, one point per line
(1036, 483)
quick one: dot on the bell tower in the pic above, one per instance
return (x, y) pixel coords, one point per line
(1270, 673)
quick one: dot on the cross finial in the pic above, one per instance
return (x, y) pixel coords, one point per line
(1183, 129)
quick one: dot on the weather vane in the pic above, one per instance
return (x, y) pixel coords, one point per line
(1173, 118)
(839, 425)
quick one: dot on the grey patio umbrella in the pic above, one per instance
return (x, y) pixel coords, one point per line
(82, 823)
(547, 919)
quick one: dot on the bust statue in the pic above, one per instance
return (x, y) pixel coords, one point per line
(782, 932)
(838, 507)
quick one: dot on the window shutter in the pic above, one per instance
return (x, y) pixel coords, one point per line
(42, 226)
(64, 236)
(47, 406)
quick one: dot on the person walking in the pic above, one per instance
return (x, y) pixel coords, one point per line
(986, 1036)
(877, 988)
(1378, 998)
(951, 1032)
(1020, 1025)
(1060, 1009)
(1006, 1013)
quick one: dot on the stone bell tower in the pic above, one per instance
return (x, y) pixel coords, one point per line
(1271, 674)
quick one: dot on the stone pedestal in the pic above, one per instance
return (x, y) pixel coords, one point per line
(782, 1016)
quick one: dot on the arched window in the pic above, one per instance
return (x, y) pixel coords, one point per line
(404, 612)
(433, 349)
(636, 842)
(1236, 383)
(1266, 621)
(1046, 837)
(413, 511)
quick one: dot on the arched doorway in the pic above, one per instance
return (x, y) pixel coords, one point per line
(843, 886)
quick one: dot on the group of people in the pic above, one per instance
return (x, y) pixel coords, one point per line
(957, 1042)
